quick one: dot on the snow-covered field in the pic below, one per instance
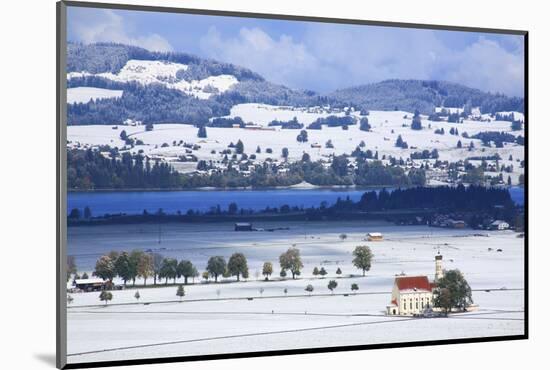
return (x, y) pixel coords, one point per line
(85, 94)
(218, 318)
(152, 71)
(386, 127)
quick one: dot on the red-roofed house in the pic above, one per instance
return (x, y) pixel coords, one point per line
(413, 294)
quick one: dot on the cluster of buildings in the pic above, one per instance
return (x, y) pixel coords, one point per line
(453, 222)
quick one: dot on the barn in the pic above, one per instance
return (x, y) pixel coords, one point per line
(243, 226)
(90, 285)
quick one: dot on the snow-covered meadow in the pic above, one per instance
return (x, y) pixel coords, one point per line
(85, 94)
(386, 127)
(219, 318)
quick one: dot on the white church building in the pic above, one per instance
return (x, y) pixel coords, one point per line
(413, 294)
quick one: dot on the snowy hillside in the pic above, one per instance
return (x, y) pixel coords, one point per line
(85, 94)
(263, 114)
(386, 127)
(148, 72)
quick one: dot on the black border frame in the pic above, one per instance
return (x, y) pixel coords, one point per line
(61, 317)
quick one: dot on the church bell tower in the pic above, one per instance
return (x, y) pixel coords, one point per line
(438, 267)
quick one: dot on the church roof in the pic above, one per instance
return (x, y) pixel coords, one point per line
(413, 283)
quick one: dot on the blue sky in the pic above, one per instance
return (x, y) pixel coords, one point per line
(317, 56)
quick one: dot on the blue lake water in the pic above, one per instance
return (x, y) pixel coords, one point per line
(134, 202)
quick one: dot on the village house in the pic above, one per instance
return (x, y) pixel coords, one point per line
(499, 225)
(89, 285)
(373, 237)
(411, 295)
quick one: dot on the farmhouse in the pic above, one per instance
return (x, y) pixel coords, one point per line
(89, 285)
(499, 225)
(412, 295)
(243, 226)
(373, 237)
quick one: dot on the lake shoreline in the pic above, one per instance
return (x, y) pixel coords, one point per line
(249, 188)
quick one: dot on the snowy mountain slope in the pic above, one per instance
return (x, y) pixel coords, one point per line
(85, 94)
(148, 72)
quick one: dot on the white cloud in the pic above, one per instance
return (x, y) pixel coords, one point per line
(331, 56)
(107, 26)
(485, 64)
(280, 60)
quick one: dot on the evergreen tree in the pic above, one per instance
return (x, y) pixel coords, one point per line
(180, 292)
(284, 153)
(459, 144)
(74, 214)
(338, 271)
(332, 285)
(137, 296)
(517, 125)
(302, 137)
(364, 124)
(309, 289)
(315, 271)
(202, 132)
(416, 121)
(105, 296)
(239, 147)
(399, 142)
(323, 272)
(232, 208)
(354, 287)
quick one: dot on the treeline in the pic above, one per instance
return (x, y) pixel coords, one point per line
(111, 57)
(293, 124)
(90, 169)
(153, 103)
(332, 121)
(410, 95)
(459, 198)
(129, 266)
(499, 138)
(395, 205)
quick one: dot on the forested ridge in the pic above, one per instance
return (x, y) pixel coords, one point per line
(175, 106)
